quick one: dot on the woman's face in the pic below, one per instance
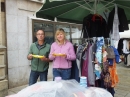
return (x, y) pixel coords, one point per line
(60, 37)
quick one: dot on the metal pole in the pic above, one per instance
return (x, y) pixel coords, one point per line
(71, 10)
(109, 6)
(95, 5)
(59, 5)
(87, 3)
(83, 6)
(106, 5)
(118, 4)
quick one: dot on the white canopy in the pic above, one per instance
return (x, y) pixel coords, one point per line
(125, 34)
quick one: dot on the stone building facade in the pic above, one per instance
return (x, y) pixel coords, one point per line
(14, 46)
(3, 51)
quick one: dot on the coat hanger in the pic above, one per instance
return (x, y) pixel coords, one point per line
(88, 41)
(96, 14)
(85, 47)
(94, 39)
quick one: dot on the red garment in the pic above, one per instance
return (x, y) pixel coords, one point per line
(85, 68)
(85, 64)
(95, 16)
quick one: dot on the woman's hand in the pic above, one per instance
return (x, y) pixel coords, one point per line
(54, 54)
(64, 56)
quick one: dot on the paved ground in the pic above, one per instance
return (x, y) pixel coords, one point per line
(122, 89)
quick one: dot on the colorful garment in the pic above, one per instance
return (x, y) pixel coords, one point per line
(100, 43)
(113, 74)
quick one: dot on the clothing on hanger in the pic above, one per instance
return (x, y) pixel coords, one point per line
(115, 30)
(94, 26)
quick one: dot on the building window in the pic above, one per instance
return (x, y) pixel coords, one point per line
(2, 7)
(73, 31)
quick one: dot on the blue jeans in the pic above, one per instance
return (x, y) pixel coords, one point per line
(34, 76)
(65, 74)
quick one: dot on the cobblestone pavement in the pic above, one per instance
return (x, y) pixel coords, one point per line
(122, 89)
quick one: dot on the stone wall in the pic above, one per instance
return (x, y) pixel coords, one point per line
(3, 88)
(3, 59)
(17, 13)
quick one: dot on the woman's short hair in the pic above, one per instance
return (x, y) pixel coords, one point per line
(60, 30)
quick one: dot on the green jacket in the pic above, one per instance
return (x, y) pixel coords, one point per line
(36, 63)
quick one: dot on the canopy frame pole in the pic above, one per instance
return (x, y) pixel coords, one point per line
(95, 7)
(84, 7)
(124, 6)
(118, 4)
(109, 6)
(87, 3)
(69, 11)
(59, 5)
(106, 5)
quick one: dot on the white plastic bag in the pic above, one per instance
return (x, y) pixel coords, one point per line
(69, 88)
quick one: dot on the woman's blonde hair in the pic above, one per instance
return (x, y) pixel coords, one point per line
(58, 32)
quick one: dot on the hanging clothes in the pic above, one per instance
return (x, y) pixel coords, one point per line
(74, 71)
(115, 29)
(113, 74)
(79, 53)
(116, 43)
(112, 67)
(100, 43)
(85, 63)
(98, 26)
(91, 74)
(105, 15)
(86, 26)
(94, 26)
(93, 71)
(94, 48)
(116, 54)
(122, 20)
(104, 55)
(110, 89)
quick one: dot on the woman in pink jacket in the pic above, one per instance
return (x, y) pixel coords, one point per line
(62, 53)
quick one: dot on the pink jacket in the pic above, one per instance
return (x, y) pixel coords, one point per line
(60, 62)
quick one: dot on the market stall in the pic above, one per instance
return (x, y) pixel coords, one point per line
(96, 59)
